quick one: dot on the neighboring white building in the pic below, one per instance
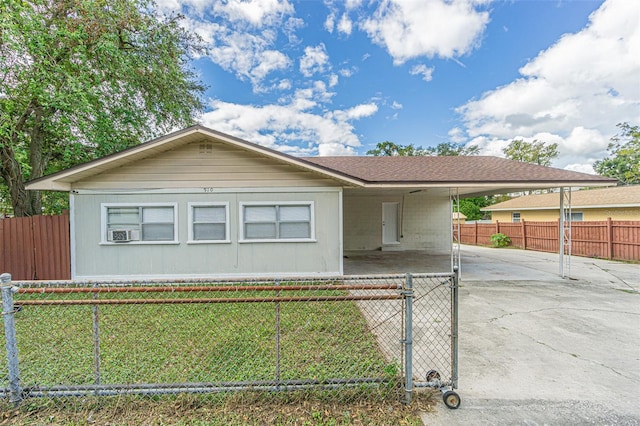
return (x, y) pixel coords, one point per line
(200, 203)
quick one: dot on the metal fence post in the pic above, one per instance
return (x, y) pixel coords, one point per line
(8, 312)
(278, 337)
(454, 329)
(96, 340)
(408, 339)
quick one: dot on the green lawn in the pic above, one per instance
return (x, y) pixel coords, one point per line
(167, 343)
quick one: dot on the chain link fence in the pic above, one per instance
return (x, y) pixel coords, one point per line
(374, 333)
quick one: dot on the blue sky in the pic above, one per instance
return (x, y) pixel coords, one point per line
(335, 77)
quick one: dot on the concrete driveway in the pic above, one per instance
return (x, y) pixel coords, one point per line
(536, 349)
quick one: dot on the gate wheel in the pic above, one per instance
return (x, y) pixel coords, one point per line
(451, 399)
(432, 375)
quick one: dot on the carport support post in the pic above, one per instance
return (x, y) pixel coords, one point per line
(408, 338)
(454, 329)
(11, 343)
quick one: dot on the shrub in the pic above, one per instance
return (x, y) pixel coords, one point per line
(500, 240)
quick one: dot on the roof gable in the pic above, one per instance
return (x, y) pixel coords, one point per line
(63, 180)
(476, 174)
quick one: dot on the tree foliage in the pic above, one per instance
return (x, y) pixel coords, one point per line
(84, 78)
(392, 149)
(536, 152)
(623, 162)
(449, 149)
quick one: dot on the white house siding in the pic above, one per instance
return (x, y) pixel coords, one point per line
(126, 260)
(425, 221)
(192, 166)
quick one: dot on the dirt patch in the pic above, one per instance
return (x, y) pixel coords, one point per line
(238, 409)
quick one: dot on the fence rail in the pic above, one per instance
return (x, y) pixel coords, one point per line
(610, 239)
(66, 338)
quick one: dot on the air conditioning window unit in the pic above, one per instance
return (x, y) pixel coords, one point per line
(123, 235)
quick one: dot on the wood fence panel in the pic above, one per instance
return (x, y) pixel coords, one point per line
(619, 240)
(625, 240)
(17, 247)
(51, 250)
(514, 232)
(589, 239)
(36, 248)
(542, 236)
(485, 231)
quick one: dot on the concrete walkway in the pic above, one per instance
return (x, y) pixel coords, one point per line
(536, 349)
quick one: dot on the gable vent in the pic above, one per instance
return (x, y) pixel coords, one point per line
(206, 148)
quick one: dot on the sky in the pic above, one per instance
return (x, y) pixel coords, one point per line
(336, 77)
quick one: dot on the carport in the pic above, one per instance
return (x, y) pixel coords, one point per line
(405, 204)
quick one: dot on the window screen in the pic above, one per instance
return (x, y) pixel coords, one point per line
(277, 222)
(152, 223)
(209, 223)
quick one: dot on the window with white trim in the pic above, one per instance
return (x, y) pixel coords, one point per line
(127, 223)
(515, 217)
(208, 222)
(277, 222)
(575, 216)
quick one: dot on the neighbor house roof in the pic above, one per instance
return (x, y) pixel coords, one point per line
(476, 173)
(620, 196)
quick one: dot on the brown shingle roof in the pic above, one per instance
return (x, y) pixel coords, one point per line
(460, 169)
(622, 196)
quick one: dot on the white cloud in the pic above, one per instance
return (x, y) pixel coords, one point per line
(315, 60)
(457, 135)
(247, 55)
(345, 25)
(410, 29)
(396, 105)
(259, 13)
(347, 72)
(573, 93)
(241, 36)
(333, 80)
(290, 128)
(330, 22)
(423, 70)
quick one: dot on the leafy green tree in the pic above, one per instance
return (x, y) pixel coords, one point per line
(84, 78)
(448, 149)
(470, 207)
(623, 162)
(391, 149)
(536, 152)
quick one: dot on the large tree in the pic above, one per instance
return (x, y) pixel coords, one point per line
(392, 149)
(623, 162)
(449, 149)
(84, 78)
(536, 152)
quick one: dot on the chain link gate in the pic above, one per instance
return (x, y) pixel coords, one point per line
(74, 338)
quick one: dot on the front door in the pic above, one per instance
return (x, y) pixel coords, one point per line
(390, 223)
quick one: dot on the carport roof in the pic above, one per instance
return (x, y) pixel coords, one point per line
(452, 170)
(470, 175)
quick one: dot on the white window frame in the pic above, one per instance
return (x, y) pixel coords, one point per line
(227, 227)
(312, 227)
(580, 214)
(103, 222)
(513, 217)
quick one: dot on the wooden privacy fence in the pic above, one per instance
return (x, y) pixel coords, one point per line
(607, 239)
(35, 248)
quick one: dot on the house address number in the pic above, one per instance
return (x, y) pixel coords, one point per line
(209, 189)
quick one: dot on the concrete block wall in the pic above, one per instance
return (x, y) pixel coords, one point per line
(425, 222)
